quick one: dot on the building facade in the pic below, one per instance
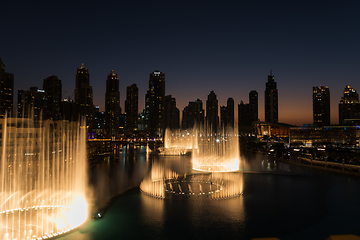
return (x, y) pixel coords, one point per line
(53, 91)
(193, 115)
(131, 108)
(349, 106)
(156, 104)
(6, 91)
(112, 105)
(271, 100)
(321, 106)
(212, 112)
(172, 113)
(84, 95)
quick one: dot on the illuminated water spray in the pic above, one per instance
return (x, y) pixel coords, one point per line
(217, 152)
(43, 178)
(179, 142)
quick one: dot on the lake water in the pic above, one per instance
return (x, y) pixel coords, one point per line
(279, 200)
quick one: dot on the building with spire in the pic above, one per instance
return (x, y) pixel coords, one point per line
(84, 96)
(112, 105)
(271, 100)
(321, 106)
(212, 112)
(6, 91)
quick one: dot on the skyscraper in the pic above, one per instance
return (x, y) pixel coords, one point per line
(32, 103)
(193, 114)
(156, 95)
(172, 113)
(112, 105)
(321, 106)
(131, 108)
(6, 91)
(84, 95)
(253, 101)
(230, 113)
(271, 100)
(212, 110)
(349, 106)
(53, 90)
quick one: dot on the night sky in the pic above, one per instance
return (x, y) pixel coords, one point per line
(225, 46)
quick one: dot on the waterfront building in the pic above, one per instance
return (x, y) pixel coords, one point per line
(84, 95)
(156, 104)
(271, 100)
(349, 106)
(248, 113)
(193, 115)
(53, 91)
(172, 113)
(321, 106)
(212, 109)
(6, 91)
(131, 108)
(112, 105)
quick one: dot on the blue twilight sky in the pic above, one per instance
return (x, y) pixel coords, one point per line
(225, 46)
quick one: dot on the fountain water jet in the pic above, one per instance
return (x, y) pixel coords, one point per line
(179, 142)
(43, 178)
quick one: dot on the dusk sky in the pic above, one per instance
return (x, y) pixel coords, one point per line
(225, 46)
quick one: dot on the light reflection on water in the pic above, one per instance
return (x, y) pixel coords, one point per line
(280, 200)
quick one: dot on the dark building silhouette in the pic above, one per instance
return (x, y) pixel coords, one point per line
(84, 95)
(271, 100)
(172, 113)
(212, 109)
(248, 113)
(349, 106)
(227, 114)
(69, 110)
(32, 103)
(131, 108)
(6, 91)
(156, 104)
(53, 90)
(321, 106)
(99, 123)
(253, 101)
(193, 115)
(112, 105)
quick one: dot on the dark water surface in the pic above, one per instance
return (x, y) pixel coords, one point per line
(280, 200)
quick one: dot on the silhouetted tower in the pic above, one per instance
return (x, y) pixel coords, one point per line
(321, 106)
(193, 114)
(156, 94)
(84, 95)
(6, 91)
(212, 116)
(253, 101)
(112, 105)
(271, 100)
(172, 113)
(349, 106)
(53, 91)
(230, 113)
(131, 108)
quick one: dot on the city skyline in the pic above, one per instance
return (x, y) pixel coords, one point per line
(227, 48)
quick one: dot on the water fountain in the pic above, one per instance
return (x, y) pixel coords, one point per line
(179, 142)
(43, 178)
(217, 152)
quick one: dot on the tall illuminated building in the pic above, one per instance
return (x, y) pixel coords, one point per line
(349, 106)
(53, 90)
(131, 108)
(84, 95)
(321, 106)
(156, 101)
(271, 100)
(6, 91)
(112, 105)
(212, 112)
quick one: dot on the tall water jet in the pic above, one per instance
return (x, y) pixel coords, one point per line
(179, 142)
(43, 178)
(217, 152)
